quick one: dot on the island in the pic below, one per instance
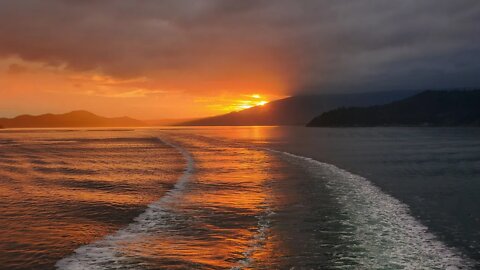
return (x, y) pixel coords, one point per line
(428, 108)
(72, 119)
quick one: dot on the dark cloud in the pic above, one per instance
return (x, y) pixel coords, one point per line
(323, 45)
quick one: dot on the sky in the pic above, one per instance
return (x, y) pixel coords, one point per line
(191, 58)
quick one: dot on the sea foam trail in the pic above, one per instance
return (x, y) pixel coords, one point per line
(383, 234)
(103, 254)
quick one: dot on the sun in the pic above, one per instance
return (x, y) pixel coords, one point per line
(258, 100)
(239, 103)
(262, 102)
(253, 100)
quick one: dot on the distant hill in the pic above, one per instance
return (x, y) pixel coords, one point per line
(429, 108)
(71, 119)
(298, 110)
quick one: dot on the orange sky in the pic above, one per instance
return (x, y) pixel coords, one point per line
(36, 88)
(194, 58)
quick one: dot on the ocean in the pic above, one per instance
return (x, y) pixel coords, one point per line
(240, 198)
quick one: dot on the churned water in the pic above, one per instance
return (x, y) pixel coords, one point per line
(240, 198)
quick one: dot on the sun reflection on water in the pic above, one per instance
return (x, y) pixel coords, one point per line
(216, 222)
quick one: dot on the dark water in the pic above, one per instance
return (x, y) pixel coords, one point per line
(435, 171)
(240, 198)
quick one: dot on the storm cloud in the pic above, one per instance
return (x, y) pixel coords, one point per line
(311, 45)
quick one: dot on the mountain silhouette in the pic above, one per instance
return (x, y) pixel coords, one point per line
(297, 110)
(71, 119)
(429, 108)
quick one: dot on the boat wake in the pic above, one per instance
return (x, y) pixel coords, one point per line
(213, 218)
(381, 233)
(225, 219)
(104, 254)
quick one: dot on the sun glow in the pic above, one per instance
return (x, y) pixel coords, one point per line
(261, 103)
(253, 101)
(226, 104)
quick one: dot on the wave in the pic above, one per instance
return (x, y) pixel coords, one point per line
(104, 253)
(383, 234)
(258, 240)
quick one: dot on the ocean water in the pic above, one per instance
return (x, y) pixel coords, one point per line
(240, 198)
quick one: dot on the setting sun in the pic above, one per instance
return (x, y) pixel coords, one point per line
(255, 100)
(235, 103)
(261, 103)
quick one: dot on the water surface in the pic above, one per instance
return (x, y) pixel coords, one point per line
(240, 198)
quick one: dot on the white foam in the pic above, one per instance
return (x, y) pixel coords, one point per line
(385, 234)
(104, 254)
(258, 240)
